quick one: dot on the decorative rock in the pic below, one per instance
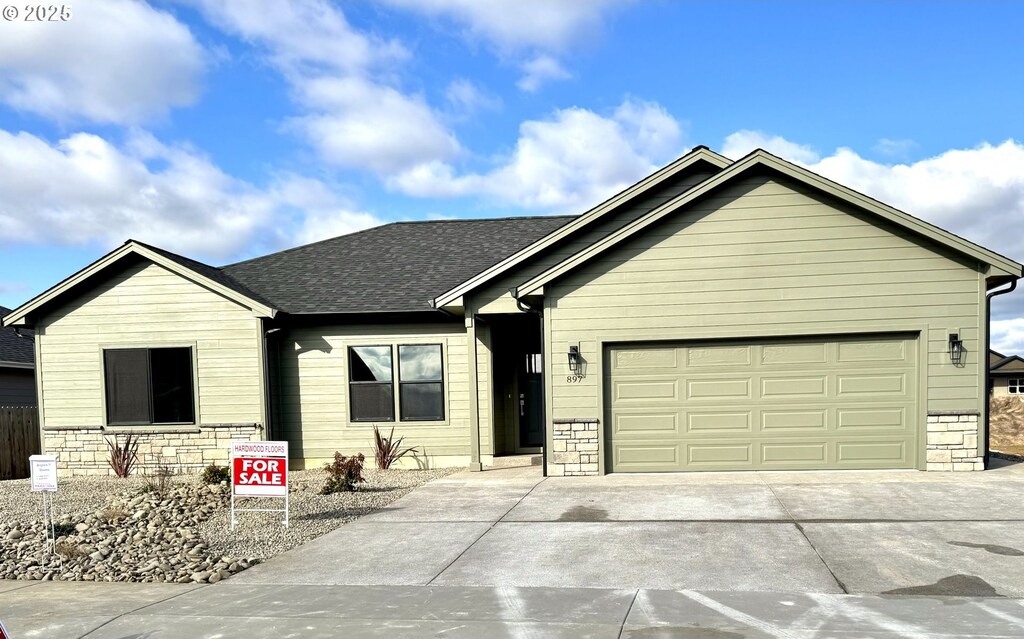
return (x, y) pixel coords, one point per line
(15, 534)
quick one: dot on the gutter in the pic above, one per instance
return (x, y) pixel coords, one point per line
(988, 367)
(526, 308)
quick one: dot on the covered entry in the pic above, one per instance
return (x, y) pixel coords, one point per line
(835, 403)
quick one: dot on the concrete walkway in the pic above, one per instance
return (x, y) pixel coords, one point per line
(237, 611)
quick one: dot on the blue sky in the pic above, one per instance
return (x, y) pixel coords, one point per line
(225, 131)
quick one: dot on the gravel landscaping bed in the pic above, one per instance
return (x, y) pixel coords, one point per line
(111, 529)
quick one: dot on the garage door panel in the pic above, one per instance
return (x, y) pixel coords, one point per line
(874, 385)
(718, 356)
(710, 423)
(646, 390)
(794, 453)
(873, 351)
(794, 387)
(718, 388)
(657, 423)
(712, 454)
(872, 454)
(872, 418)
(794, 420)
(783, 354)
(783, 404)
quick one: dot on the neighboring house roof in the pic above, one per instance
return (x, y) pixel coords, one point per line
(15, 352)
(1011, 365)
(397, 267)
(994, 357)
(759, 160)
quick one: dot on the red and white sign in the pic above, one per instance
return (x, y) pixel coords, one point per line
(259, 469)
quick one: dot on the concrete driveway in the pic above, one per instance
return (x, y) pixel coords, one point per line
(898, 532)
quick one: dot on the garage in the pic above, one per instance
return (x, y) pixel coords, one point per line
(847, 402)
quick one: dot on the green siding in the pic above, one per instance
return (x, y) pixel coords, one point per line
(312, 381)
(146, 305)
(766, 258)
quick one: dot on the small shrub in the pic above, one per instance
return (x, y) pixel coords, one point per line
(123, 457)
(214, 474)
(159, 481)
(343, 473)
(387, 450)
(68, 550)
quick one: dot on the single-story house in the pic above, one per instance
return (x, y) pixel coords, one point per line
(716, 315)
(17, 367)
(1006, 375)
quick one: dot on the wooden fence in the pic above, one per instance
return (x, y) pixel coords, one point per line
(19, 438)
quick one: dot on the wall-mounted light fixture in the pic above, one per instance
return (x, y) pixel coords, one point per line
(574, 358)
(956, 349)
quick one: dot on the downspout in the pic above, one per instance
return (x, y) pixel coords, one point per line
(268, 395)
(988, 371)
(526, 308)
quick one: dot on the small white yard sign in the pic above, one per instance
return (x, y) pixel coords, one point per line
(43, 469)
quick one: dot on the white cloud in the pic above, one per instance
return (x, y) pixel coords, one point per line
(541, 29)
(1008, 336)
(894, 148)
(539, 71)
(116, 61)
(574, 159)
(538, 24)
(85, 190)
(744, 141)
(355, 113)
(465, 98)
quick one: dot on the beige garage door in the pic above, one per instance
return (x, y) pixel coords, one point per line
(773, 405)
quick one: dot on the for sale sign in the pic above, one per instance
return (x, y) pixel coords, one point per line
(259, 469)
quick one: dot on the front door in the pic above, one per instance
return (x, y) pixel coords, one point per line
(531, 409)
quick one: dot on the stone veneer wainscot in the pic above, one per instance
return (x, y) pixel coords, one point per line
(575, 447)
(83, 450)
(953, 442)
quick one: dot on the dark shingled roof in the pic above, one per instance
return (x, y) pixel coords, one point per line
(13, 348)
(210, 272)
(392, 268)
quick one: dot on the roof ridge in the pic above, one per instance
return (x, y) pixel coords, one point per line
(395, 223)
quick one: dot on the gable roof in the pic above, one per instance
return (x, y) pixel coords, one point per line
(202, 274)
(1012, 365)
(698, 157)
(762, 159)
(397, 267)
(15, 352)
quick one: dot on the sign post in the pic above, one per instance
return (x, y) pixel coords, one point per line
(43, 472)
(259, 469)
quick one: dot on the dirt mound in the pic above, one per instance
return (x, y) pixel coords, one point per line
(1006, 422)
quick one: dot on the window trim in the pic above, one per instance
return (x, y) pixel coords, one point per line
(441, 381)
(194, 370)
(1017, 383)
(348, 369)
(393, 341)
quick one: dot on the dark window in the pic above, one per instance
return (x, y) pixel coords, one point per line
(421, 382)
(371, 384)
(149, 385)
(1015, 386)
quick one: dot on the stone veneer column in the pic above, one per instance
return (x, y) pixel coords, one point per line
(575, 447)
(83, 451)
(953, 442)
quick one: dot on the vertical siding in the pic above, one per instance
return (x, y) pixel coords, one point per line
(146, 305)
(495, 298)
(17, 387)
(313, 392)
(763, 258)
